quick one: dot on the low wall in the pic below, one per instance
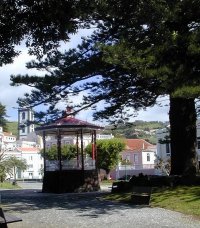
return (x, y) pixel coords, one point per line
(70, 181)
(115, 174)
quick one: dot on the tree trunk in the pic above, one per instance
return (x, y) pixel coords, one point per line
(182, 117)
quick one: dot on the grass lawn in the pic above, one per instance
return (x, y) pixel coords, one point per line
(185, 199)
(8, 185)
(106, 182)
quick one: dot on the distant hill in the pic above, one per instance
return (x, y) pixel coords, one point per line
(137, 130)
(132, 130)
(12, 127)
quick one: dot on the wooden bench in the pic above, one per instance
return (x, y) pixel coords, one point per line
(7, 218)
(120, 186)
(141, 195)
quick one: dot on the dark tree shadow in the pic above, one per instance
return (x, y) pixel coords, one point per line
(25, 201)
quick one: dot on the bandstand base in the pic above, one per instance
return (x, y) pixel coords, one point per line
(70, 181)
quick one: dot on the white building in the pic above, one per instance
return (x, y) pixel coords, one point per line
(163, 146)
(137, 157)
(33, 159)
(7, 140)
(22, 149)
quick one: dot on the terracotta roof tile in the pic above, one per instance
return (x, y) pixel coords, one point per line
(28, 149)
(138, 145)
(9, 134)
(69, 122)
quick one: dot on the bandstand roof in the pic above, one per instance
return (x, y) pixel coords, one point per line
(68, 125)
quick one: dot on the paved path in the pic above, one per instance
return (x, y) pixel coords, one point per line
(30, 184)
(38, 185)
(85, 210)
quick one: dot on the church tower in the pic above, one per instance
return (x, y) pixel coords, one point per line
(25, 119)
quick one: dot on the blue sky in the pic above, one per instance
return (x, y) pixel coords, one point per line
(10, 94)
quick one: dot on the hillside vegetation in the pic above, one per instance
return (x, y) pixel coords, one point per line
(137, 130)
(12, 127)
(131, 130)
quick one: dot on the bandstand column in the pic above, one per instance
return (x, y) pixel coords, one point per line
(82, 155)
(44, 149)
(77, 149)
(95, 149)
(59, 150)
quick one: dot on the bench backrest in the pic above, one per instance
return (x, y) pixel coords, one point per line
(141, 190)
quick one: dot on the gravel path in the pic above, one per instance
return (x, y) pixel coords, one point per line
(42, 210)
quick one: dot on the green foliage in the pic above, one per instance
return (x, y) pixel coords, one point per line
(2, 167)
(40, 24)
(8, 185)
(163, 165)
(125, 162)
(67, 152)
(137, 129)
(11, 164)
(12, 127)
(107, 153)
(182, 199)
(3, 117)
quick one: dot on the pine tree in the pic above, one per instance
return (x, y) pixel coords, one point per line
(40, 25)
(141, 50)
(3, 116)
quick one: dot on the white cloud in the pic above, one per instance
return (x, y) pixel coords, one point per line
(10, 94)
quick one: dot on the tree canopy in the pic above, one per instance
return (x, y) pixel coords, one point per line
(149, 49)
(3, 117)
(108, 153)
(67, 152)
(139, 51)
(40, 25)
(11, 164)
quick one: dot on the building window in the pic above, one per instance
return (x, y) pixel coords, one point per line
(31, 158)
(198, 144)
(135, 158)
(167, 148)
(19, 173)
(23, 115)
(128, 158)
(23, 129)
(148, 157)
(32, 116)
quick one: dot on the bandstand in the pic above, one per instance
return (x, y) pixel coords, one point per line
(77, 174)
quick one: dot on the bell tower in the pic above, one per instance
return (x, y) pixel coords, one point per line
(25, 122)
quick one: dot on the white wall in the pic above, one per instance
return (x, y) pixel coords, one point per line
(35, 163)
(151, 156)
(161, 147)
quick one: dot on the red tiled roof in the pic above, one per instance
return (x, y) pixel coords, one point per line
(72, 121)
(28, 149)
(138, 145)
(68, 122)
(9, 134)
